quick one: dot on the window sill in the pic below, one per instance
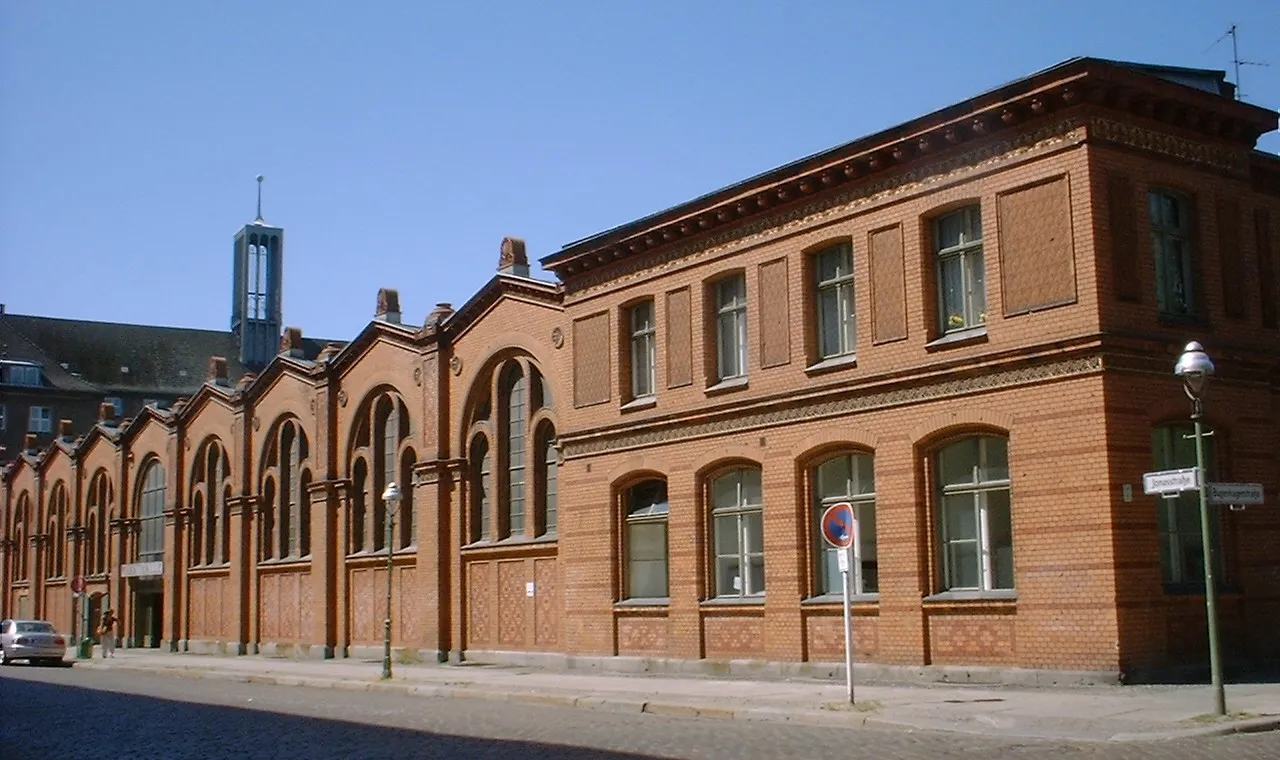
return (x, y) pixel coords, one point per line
(549, 538)
(963, 337)
(643, 602)
(1000, 595)
(832, 364)
(644, 402)
(285, 561)
(379, 553)
(733, 601)
(855, 599)
(725, 386)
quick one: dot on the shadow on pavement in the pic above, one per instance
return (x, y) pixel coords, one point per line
(70, 722)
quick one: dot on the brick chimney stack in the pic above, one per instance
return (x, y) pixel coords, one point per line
(217, 371)
(388, 306)
(64, 431)
(29, 443)
(440, 313)
(512, 259)
(291, 342)
(107, 413)
(246, 380)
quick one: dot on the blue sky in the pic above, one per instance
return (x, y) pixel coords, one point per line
(402, 140)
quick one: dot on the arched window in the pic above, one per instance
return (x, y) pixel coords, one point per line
(382, 453)
(56, 558)
(211, 512)
(515, 418)
(100, 496)
(976, 525)
(1173, 447)
(548, 495)
(151, 514)
(737, 525)
(21, 532)
(286, 507)
(480, 480)
(846, 478)
(645, 540)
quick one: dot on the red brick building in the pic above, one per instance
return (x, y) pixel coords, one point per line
(965, 325)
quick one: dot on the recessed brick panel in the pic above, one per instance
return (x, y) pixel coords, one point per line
(888, 285)
(1231, 258)
(1266, 267)
(775, 314)
(679, 338)
(1037, 254)
(1122, 217)
(591, 365)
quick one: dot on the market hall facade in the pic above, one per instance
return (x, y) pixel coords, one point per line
(965, 326)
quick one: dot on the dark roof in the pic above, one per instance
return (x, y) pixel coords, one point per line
(14, 345)
(1212, 81)
(161, 360)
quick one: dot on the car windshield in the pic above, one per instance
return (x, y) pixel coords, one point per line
(35, 628)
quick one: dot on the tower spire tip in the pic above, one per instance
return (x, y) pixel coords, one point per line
(259, 178)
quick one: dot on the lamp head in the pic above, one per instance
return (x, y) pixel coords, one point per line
(1194, 367)
(391, 495)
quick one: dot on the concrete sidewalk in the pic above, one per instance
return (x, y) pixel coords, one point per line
(1102, 713)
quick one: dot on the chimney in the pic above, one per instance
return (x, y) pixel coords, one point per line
(513, 259)
(327, 353)
(388, 306)
(440, 313)
(245, 381)
(217, 371)
(107, 413)
(29, 444)
(64, 431)
(178, 404)
(291, 342)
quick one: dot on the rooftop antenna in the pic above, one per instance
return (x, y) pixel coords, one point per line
(259, 178)
(1235, 57)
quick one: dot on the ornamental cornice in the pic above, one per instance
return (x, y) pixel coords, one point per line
(1233, 159)
(824, 407)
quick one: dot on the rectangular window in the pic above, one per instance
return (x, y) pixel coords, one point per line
(976, 522)
(737, 514)
(21, 374)
(1181, 550)
(731, 327)
(1171, 243)
(40, 420)
(643, 350)
(847, 478)
(646, 540)
(833, 268)
(962, 293)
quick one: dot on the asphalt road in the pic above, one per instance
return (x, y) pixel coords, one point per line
(69, 713)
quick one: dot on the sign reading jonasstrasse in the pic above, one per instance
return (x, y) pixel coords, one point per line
(1168, 482)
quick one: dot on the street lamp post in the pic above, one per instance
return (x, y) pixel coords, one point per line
(1195, 367)
(391, 499)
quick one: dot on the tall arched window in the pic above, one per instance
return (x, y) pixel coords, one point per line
(737, 525)
(511, 473)
(286, 508)
(381, 453)
(98, 507)
(56, 566)
(151, 514)
(211, 513)
(846, 478)
(644, 545)
(21, 533)
(975, 514)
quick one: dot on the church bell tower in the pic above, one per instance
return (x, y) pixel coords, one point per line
(256, 317)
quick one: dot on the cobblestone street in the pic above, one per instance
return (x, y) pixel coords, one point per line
(71, 713)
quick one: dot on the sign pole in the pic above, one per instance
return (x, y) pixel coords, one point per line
(848, 620)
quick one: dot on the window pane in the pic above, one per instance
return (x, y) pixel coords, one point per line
(995, 460)
(977, 290)
(829, 322)
(952, 286)
(728, 578)
(960, 521)
(1000, 535)
(726, 529)
(867, 549)
(753, 528)
(950, 230)
(648, 541)
(724, 491)
(959, 461)
(834, 477)
(648, 579)
(755, 575)
(963, 563)
(728, 346)
(834, 263)
(829, 569)
(865, 467)
(751, 486)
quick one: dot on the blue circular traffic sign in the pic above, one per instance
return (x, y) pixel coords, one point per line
(837, 525)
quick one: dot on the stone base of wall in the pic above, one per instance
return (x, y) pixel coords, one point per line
(204, 646)
(765, 670)
(292, 650)
(401, 655)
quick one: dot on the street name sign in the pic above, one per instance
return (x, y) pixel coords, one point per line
(1239, 494)
(1169, 482)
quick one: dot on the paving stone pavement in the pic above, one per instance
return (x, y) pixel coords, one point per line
(1110, 713)
(73, 713)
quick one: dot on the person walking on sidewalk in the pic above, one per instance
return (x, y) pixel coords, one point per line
(107, 633)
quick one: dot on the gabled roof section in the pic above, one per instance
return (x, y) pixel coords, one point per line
(130, 426)
(394, 332)
(114, 356)
(12, 469)
(16, 346)
(499, 286)
(1193, 99)
(99, 432)
(283, 364)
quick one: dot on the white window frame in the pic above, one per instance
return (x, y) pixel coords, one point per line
(655, 513)
(862, 495)
(644, 349)
(40, 419)
(839, 291)
(1179, 537)
(1172, 249)
(740, 512)
(978, 488)
(731, 320)
(968, 251)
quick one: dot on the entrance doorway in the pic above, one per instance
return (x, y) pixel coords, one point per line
(148, 614)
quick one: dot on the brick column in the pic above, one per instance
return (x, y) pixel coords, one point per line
(454, 479)
(253, 598)
(171, 631)
(338, 541)
(324, 565)
(784, 551)
(241, 509)
(903, 540)
(437, 542)
(686, 571)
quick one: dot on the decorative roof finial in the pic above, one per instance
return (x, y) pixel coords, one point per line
(260, 178)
